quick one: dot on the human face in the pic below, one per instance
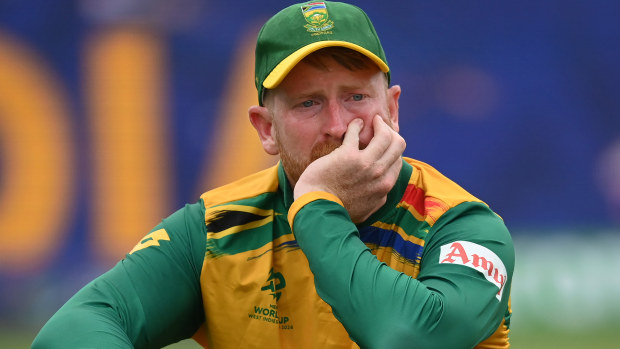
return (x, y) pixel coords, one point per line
(312, 108)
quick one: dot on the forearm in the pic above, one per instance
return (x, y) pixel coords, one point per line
(91, 319)
(148, 300)
(81, 328)
(379, 307)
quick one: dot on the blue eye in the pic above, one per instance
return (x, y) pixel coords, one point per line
(358, 97)
(308, 103)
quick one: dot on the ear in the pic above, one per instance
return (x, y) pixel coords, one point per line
(261, 119)
(392, 99)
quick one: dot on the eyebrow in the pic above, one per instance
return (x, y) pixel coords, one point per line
(317, 93)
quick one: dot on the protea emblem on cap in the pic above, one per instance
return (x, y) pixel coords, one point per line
(317, 17)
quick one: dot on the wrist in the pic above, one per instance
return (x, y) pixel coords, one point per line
(302, 189)
(306, 198)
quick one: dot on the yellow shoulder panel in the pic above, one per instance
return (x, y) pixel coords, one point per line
(440, 193)
(255, 184)
(436, 185)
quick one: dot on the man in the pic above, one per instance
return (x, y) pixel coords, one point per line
(343, 244)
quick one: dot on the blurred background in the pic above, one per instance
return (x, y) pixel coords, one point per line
(113, 114)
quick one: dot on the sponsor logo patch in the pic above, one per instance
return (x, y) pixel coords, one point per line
(476, 257)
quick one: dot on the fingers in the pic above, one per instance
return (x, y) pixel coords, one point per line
(381, 139)
(352, 136)
(396, 147)
(386, 147)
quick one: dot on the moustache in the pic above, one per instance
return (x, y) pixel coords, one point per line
(324, 148)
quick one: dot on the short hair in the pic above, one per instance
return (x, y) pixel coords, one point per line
(350, 59)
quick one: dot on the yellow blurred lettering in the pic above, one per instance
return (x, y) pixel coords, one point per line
(126, 99)
(234, 132)
(36, 145)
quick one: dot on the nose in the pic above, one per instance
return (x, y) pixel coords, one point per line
(335, 120)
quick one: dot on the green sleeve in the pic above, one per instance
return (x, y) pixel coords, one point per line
(447, 306)
(150, 299)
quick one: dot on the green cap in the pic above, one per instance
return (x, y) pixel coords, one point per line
(301, 29)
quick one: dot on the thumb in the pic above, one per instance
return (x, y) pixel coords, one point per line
(352, 136)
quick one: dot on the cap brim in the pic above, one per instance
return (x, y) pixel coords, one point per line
(286, 65)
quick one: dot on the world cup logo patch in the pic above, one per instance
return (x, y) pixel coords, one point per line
(317, 17)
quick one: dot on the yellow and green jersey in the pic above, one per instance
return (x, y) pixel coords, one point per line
(431, 269)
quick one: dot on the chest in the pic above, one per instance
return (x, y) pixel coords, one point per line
(258, 290)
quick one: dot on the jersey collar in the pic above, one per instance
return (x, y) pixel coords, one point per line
(394, 196)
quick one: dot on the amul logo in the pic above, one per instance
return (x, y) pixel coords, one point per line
(476, 257)
(275, 283)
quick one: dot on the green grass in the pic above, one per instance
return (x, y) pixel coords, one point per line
(530, 339)
(21, 338)
(526, 339)
(16, 338)
(545, 339)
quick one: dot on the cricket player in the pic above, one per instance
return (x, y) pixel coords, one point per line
(345, 243)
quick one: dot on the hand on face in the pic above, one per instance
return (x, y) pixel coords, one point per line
(360, 178)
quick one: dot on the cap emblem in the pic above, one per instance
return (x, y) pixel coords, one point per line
(317, 17)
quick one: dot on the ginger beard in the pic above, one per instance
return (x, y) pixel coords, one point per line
(294, 165)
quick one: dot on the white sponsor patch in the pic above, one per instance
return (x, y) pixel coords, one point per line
(476, 257)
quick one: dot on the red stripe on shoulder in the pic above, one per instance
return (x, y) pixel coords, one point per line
(428, 207)
(414, 196)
